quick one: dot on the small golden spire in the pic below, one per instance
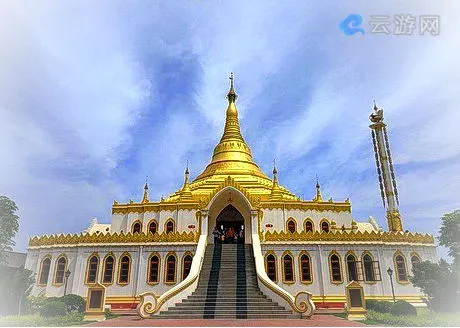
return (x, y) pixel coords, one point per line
(186, 193)
(318, 197)
(145, 199)
(276, 190)
(231, 96)
(275, 173)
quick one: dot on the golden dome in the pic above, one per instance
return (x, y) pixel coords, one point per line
(232, 155)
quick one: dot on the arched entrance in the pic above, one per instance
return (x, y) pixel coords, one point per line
(230, 223)
(230, 209)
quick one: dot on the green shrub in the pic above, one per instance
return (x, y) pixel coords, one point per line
(379, 306)
(403, 308)
(422, 320)
(53, 309)
(74, 303)
(35, 320)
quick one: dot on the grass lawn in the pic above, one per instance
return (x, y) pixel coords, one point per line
(35, 320)
(423, 319)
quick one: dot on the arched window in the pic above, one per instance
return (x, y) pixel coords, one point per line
(170, 275)
(154, 269)
(368, 268)
(109, 264)
(352, 268)
(270, 266)
(325, 226)
(336, 270)
(305, 269)
(288, 269)
(92, 268)
(291, 226)
(308, 226)
(61, 264)
(136, 227)
(124, 270)
(401, 271)
(415, 259)
(44, 271)
(153, 227)
(169, 226)
(186, 265)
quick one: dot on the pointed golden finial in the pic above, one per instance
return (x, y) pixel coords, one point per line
(145, 199)
(186, 192)
(276, 191)
(318, 197)
(275, 172)
(231, 96)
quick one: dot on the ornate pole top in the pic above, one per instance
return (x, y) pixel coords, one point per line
(377, 115)
(231, 96)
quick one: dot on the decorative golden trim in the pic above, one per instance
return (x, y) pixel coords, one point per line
(104, 261)
(62, 255)
(187, 253)
(47, 256)
(165, 277)
(351, 236)
(276, 264)
(147, 280)
(129, 269)
(149, 223)
(307, 205)
(153, 207)
(305, 282)
(305, 223)
(288, 282)
(402, 282)
(96, 254)
(291, 219)
(352, 253)
(166, 223)
(112, 238)
(140, 225)
(340, 267)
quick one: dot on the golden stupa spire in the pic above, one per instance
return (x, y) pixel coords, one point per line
(276, 191)
(232, 155)
(186, 193)
(318, 197)
(145, 199)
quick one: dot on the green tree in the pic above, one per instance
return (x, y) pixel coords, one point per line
(439, 282)
(9, 225)
(450, 235)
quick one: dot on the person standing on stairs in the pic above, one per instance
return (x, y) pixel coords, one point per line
(216, 234)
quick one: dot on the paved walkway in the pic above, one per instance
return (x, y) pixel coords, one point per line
(315, 321)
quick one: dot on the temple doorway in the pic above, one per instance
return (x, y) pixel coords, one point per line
(230, 223)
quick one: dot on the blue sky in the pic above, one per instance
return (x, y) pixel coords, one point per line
(94, 96)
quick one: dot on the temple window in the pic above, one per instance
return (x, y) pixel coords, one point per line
(352, 268)
(415, 260)
(305, 269)
(44, 271)
(124, 270)
(291, 226)
(401, 270)
(186, 265)
(270, 265)
(169, 226)
(154, 269)
(136, 227)
(325, 226)
(336, 270)
(369, 273)
(92, 268)
(308, 226)
(109, 264)
(170, 276)
(153, 227)
(61, 264)
(288, 268)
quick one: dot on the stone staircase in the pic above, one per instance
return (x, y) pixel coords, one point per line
(227, 288)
